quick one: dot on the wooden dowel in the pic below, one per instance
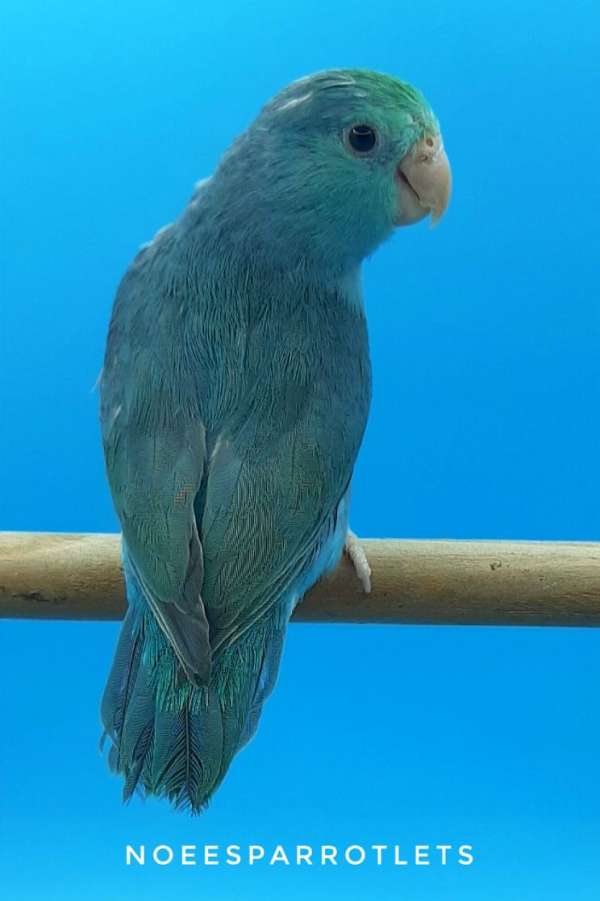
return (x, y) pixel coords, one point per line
(71, 576)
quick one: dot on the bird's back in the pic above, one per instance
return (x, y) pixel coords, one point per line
(276, 367)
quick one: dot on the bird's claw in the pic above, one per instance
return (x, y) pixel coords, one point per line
(355, 551)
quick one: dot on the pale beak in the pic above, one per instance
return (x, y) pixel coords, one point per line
(424, 181)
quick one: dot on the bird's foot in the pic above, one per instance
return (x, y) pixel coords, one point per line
(357, 555)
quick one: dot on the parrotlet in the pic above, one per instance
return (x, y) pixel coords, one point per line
(233, 400)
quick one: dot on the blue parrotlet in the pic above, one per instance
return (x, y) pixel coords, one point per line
(234, 396)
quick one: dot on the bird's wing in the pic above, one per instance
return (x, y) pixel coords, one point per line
(154, 479)
(280, 468)
(155, 452)
(267, 512)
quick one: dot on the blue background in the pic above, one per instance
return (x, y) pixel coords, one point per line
(484, 424)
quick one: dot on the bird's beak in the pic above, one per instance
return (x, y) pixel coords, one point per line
(424, 182)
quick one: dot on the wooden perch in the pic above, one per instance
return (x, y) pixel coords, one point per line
(510, 583)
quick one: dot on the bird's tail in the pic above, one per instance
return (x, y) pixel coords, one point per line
(168, 737)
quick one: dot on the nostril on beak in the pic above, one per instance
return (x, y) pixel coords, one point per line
(428, 149)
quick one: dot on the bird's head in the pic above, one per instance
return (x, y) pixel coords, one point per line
(332, 164)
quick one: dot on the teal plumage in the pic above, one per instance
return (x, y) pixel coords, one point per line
(234, 397)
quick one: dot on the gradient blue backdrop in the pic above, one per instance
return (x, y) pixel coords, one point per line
(484, 424)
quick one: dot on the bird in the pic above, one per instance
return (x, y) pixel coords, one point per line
(234, 395)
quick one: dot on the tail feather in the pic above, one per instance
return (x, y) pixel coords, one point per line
(137, 728)
(265, 683)
(122, 675)
(140, 751)
(173, 739)
(187, 744)
(181, 776)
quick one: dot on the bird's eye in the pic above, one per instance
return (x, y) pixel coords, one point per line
(362, 138)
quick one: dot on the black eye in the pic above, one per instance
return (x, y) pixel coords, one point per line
(362, 138)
